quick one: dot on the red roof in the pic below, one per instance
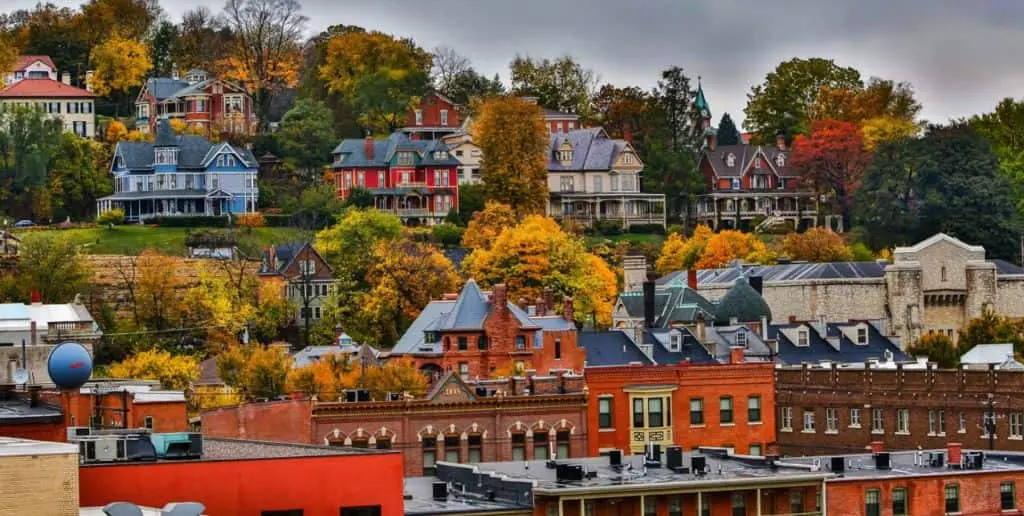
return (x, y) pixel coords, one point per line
(25, 61)
(36, 88)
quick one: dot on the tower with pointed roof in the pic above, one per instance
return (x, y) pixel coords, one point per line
(700, 104)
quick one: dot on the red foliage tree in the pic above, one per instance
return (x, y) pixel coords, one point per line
(832, 160)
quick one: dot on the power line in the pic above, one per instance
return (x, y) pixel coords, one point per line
(171, 330)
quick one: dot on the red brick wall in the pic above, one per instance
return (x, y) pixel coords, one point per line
(319, 486)
(39, 432)
(431, 106)
(773, 501)
(979, 493)
(708, 382)
(167, 417)
(285, 421)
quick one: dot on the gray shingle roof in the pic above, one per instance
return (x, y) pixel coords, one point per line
(785, 272)
(819, 349)
(164, 134)
(690, 351)
(163, 88)
(743, 155)
(610, 348)
(592, 150)
(742, 303)
(284, 253)
(192, 149)
(354, 151)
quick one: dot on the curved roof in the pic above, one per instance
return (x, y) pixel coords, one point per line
(743, 303)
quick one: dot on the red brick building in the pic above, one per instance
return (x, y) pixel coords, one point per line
(251, 478)
(480, 334)
(412, 178)
(203, 102)
(435, 117)
(515, 419)
(686, 405)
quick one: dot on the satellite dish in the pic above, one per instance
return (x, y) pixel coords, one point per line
(69, 365)
(20, 376)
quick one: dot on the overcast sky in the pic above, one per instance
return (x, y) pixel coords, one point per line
(961, 56)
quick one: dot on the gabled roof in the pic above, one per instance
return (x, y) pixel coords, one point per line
(163, 87)
(450, 378)
(691, 350)
(192, 149)
(936, 238)
(675, 303)
(285, 254)
(611, 348)
(744, 155)
(354, 151)
(819, 349)
(592, 149)
(44, 88)
(988, 354)
(27, 60)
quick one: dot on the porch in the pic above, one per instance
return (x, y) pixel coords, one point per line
(137, 208)
(740, 210)
(414, 206)
(629, 209)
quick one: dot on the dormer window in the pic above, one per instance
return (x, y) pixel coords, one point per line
(730, 160)
(440, 155)
(780, 160)
(627, 159)
(802, 338)
(225, 160)
(166, 156)
(862, 336)
(405, 159)
(675, 342)
(564, 156)
(741, 339)
(119, 162)
(757, 163)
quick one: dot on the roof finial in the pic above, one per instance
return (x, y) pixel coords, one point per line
(698, 81)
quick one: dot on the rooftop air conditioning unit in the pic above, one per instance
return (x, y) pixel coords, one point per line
(75, 432)
(104, 449)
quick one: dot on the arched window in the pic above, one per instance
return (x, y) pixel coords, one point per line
(780, 160)
(562, 444)
(730, 160)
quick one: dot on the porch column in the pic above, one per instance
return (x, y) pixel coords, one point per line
(759, 501)
(700, 498)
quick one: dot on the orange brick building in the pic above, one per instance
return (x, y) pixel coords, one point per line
(726, 405)
(481, 335)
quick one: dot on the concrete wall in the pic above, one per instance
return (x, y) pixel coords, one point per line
(809, 300)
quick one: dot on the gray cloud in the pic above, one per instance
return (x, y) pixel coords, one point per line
(962, 57)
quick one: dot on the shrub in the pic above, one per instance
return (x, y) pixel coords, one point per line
(109, 217)
(647, 229)
(251, 220)
(674, 228)
(861, 252)
(447, 234)
(609, 227)
(211, 238)
(200, 221)
(277, 221)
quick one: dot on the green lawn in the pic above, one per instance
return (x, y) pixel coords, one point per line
(636, 238)
(131, 240)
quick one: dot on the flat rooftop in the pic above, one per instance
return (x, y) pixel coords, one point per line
(910, 464)
(419, 500)
(14, 447)
(218, 449)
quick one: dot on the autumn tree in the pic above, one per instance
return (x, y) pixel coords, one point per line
(856, 103)
(536, 254)
(8, 55)
(625, 112)
(264, 48)
(782, 102)
(219, 307)
(116, 131)
(326, 378)
(153, 288)
(51, 264)
(729, 245)
(561, 84)
(992, 328)
(203, 40)
(396, 376)
(307, 136)
(78, 175)
(817, 244)
(120, 64)
(514, 142)
(255, 371)
(382, 76)
(727, 133)
(52, 31)
(671, 256)
(173, 371)
(937, 348)
(132, 19)
(487, 224)
(358, 229)
(403, 279)
(832, 160)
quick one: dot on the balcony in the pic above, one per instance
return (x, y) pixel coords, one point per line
(411, 184)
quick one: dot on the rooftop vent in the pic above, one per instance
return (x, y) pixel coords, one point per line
(974, 460)
(936, 459)
(440, 490)
(615, 458)
(838, 464)
(652, 458)
(569, 473)
(674, 459)
(698, 465)
(882, 461)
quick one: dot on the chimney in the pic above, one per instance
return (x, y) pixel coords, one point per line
(33, 393)
(522, 304)
(35, 297)
(634, 272)
(88, 80)
(736, 355)
(338, 330)
(701, 329)
(549, 300)
(272, 260)
(954, 452)
(368, 147)
(757, 282)
(712, 141)
(877, 447)
(648, 304)
(568, 309)
(499, 298)
(627, 134)
(780, 141)
(34, 335)
(65, 77)
(764, 328)
(691, 279)
(538, 307)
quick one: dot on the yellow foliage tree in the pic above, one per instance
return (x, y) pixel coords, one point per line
(178, 125)
(671, 257)
(399, 375)
(212, 396)
(116, 132)
(325, 379)
(514, 142)
(120, 65)
(273, 309)
(819, 244)
(886, 128)
(512, 368)
(220, 307)
(155, 294)
(173, 371)
(8, 55)
(730, 245)
(354, 55)
(537, 253)
(487, 224)
(255, 371)
(137, 136)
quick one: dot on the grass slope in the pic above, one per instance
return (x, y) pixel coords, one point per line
(131, 240)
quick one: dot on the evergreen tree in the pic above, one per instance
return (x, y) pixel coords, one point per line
(727, 132)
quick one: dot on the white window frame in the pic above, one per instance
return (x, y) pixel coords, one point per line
(786, 418)
(741, 339)
(862, 335)
(831, 421)
(962, 427)
(444, 117)
(419, 117)
(803, 338)
(1016, 425)
(903, 421)
(877, 421)
(809, 427)
(855, 417)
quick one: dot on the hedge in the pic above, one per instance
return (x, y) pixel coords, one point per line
(649, 229)
(278, 221)
(199, 221)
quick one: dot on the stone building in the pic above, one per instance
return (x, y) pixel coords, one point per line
(935, 286)
(459, 422)
(844, 410)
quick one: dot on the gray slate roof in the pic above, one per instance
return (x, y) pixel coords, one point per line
(284, 254)
(163, 88)
(192, 149)
(592, 150)
(819, 349)
(742, 303)
(743, 155)
(610, 348)
(675, 303)
(354, 151)
(785, 272)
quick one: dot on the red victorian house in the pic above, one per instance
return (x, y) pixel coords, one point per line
(749, 185)
(205, 103)
(481, 335)
(435, 117)
(412, 178)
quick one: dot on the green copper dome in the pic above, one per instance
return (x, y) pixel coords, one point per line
(743, 303)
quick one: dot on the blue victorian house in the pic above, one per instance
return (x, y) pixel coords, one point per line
(183, 175)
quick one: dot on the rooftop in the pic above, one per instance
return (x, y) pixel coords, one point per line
(419, 500)
(14, 447)
(218, 449)
(28, 60)
(43, 88)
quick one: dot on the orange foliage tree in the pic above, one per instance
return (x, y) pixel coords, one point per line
(730, 245)
(833, 161)
(487, 224)
(681, 253)
(818, 244)
(514, 142)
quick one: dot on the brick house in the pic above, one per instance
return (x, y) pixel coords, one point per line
(476, 333)
(514, 419)
(202, 101)
(307, 279)
(412, 178)
(844, 410)
(686, 405)
(435, 117)
(750, 184)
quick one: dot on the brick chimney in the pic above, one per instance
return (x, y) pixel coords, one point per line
(712, 141)
(780, 141)
(877, 446)
(691, 279)
(627, 134)
(368, 147)
(65, 77)
(954, 452)
(539, 307)
(35, 297)
(522, 304)
(33, 334)
(549, 300)
(499, 298)
(736, 355)
(272, 260)
(568, 309)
